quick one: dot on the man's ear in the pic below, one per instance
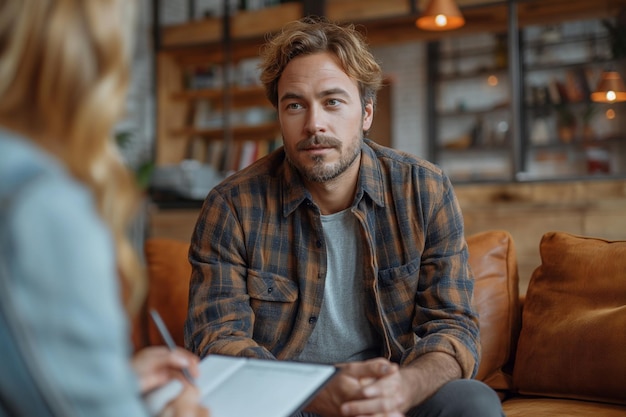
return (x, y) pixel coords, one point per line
(368, 115)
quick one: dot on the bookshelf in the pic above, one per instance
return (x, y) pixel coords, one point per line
(567, 134)
(210, 105)
(559, 134)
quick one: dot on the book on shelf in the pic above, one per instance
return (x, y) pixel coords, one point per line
(248, 153)
(235, 386)
(563, 93)
(554, 92)
(198, 148)
(201, 77)
(237, 154)
(215, 154)
(234, 155)
(205, 116)
(577, 87)
(573, 89)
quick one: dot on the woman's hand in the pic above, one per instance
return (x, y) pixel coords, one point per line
(157, 365)
(186, 404)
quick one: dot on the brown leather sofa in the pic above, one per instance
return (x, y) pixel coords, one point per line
(563, 355)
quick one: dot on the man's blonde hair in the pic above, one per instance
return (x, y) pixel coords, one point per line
(314, 35)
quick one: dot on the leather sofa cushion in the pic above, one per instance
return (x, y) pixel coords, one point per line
(573, 338)
(558, 407)
(168, 291)
(496, 297)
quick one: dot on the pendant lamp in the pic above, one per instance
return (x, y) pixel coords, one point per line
(440, 15)
(610, 89)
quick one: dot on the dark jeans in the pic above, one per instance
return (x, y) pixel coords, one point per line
(459, 398)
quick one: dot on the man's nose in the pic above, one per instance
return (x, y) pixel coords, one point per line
(315, 121)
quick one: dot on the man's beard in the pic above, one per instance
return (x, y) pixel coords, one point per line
(320, 172)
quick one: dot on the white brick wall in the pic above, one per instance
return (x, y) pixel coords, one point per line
(139, 118)
(405, 65)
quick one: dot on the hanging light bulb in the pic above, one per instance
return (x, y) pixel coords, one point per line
(440, 15)
(610, 89)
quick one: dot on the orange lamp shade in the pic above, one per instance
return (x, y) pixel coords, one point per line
(440, 15)
(610, 89)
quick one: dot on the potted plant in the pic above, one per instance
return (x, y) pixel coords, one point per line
(143, 169)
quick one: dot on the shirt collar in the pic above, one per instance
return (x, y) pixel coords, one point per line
(370, 180)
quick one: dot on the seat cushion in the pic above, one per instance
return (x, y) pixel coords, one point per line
(496, 297)
(573, 338)
(168, 286)
(554, 407)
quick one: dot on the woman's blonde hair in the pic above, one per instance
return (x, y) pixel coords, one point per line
(64, 70)
(312, 35)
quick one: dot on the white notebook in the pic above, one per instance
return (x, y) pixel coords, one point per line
(236, 387)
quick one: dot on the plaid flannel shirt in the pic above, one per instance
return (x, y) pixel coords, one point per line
(258, 261)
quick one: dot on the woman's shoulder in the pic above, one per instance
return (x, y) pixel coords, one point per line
(40, 202)
(33, 179)
(23, 165)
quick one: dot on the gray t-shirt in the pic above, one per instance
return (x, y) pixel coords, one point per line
(342, 332)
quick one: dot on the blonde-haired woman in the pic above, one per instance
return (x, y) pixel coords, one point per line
(68, 276)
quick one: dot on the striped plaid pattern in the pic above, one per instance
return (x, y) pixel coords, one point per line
(259, 262)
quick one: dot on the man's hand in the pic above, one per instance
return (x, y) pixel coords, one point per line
(383, 391)
(394, 393)
(348, 385)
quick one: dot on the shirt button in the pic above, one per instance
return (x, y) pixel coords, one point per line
(269, 290)
(312, 319)
(318, 243)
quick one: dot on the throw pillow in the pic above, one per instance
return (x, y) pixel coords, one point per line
(573, 338)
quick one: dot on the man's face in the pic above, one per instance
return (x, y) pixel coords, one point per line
(321, 117)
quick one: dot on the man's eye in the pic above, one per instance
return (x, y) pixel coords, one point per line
(294, 106)
(333, 102)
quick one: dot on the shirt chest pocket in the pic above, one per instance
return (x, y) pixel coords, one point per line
(403, 275)
(273, 299)
(397, 288)
(264, 286)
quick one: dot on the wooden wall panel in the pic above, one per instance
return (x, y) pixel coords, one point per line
(528, 210)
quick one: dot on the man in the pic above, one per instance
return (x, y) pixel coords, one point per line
(334, 249)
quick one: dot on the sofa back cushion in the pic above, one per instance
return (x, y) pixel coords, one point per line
(496, 297)
(573, 338)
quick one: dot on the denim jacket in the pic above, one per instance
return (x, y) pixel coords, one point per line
(64, 345)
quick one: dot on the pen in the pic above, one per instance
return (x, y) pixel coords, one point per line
(167, 338)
